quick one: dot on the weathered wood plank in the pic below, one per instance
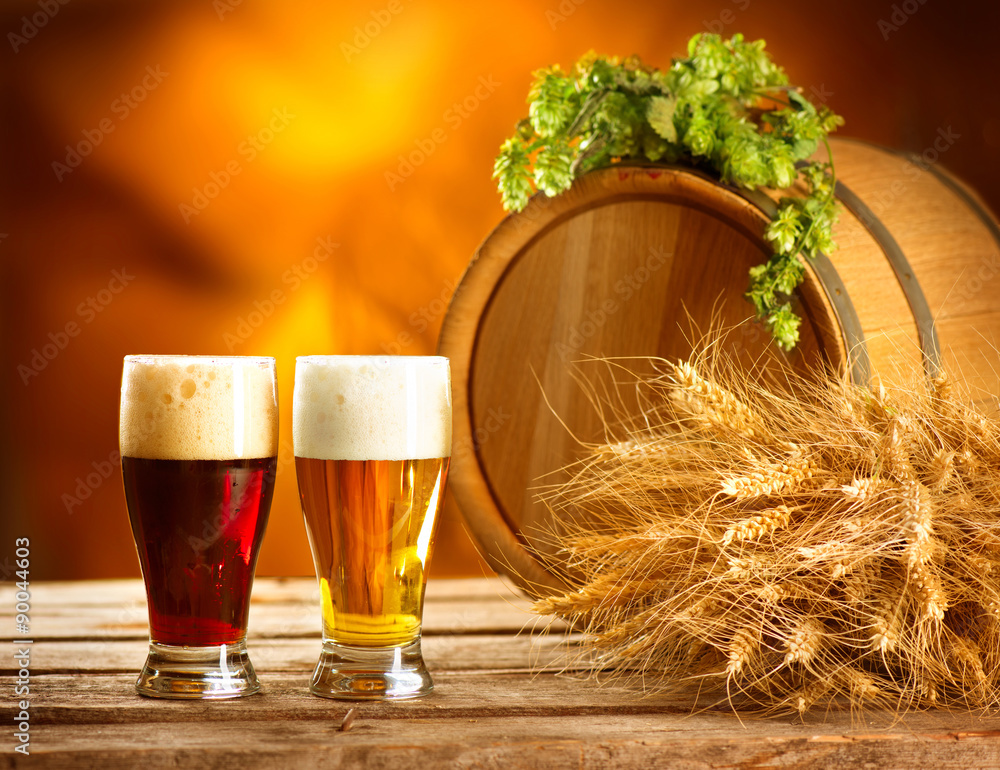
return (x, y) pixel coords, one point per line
(270, 621)
(104, 699)
(454, 653)
(280, 608)
(100, 593)
(489, 709)
(587, 742)
(107, 699)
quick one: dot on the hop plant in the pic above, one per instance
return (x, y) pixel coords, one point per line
(726, 108)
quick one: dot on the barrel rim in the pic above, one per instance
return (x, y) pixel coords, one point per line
(497, 536)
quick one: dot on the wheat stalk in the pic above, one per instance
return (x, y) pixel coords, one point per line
(791, 549)
(779, 477)
(755, 527)
(706, 398)
(804, 641)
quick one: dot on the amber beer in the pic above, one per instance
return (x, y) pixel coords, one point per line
(199, 453)
(371, 525)
(372, 443)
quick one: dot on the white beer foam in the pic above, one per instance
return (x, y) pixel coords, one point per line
(198, 408)
(372, 407)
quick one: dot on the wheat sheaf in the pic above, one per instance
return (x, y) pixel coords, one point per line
(786, 551)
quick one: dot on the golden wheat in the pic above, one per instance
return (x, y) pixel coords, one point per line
(804, 641)
(778, 477)
(787, 550)
(741, 649)
(886, 621)
(703, 397)
(755, 527)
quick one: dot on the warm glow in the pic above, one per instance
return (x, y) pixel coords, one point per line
(284, 187)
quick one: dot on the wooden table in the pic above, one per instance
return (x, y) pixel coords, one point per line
(500, 700)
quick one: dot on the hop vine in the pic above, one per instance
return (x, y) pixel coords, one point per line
(726, 108)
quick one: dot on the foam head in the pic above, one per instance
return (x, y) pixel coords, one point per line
(372, 407)
(198, 408)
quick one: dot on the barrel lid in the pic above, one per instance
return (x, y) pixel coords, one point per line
(632, 261)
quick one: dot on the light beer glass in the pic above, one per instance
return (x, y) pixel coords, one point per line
(199, 441)
(372, 438)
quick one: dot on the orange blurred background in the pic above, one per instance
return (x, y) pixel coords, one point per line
(283, 179)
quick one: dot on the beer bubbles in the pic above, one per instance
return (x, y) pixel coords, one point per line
(198, 408)
(372, 407)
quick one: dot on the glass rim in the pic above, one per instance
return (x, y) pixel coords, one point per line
(171, 357)
(333, 359)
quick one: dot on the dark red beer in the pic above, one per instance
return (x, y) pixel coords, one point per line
(198, 525)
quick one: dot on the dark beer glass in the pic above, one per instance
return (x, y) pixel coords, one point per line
(199, 439)
(372, 438)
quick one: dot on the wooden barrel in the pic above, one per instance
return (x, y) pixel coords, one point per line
(642, 260)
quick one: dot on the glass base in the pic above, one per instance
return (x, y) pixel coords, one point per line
(370, 673)
(221, 671)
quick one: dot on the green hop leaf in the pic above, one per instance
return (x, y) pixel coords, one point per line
(513, 174)
(552, 102)
(661, 117)
(553, 166)
(784, 326)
